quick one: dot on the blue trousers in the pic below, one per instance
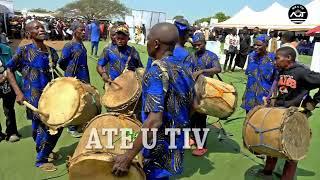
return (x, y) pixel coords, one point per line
(45, 142)
(95, 46)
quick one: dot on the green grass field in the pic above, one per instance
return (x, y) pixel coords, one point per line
(226, 160)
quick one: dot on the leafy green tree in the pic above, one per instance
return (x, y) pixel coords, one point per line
(95, 8)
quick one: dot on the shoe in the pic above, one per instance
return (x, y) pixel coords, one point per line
(54, 157)
(13, 138)
(262, 175)
(199, 152)
(48, 167)
(75, 134)
(261, 156)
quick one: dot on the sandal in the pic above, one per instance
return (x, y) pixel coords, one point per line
(48, 167)
(54, 157)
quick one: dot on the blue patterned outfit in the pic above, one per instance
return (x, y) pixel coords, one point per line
(206, 60)
(166, 88)
(116, 60)
(74, 61)
(182, 55)
(34, 67)
(261, 72)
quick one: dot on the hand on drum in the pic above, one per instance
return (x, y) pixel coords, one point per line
(20, 98)
(196, 74)
(106, 79)
(121, 165)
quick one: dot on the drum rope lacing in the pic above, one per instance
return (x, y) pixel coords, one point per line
(261, 133)
(219, 94)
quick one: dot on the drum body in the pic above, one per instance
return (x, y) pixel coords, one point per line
(217, 99)
(122, 96)
(97, 164)
(68, 101)
(277, 132)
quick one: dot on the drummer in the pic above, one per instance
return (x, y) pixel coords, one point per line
(164, 83)
(116, 59)
(207, 64)
(33, 61)
(295, 81)
(74, 61)
(181, 54)
(261, 72)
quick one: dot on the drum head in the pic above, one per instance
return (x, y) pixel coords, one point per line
(99, 167)
(97, 164)
(122, 91)
(61, 100)
(296, 136)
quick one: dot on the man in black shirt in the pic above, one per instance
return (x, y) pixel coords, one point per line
(294, 83)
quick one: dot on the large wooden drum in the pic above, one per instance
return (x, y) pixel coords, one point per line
(122, 96)
(97, 164)
(217, 99)
(68, 101)
(277, 132)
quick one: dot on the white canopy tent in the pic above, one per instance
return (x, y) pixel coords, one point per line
(273, 17)
(6, 9)
(148, 18)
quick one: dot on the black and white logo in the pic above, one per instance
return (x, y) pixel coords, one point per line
(298, 14)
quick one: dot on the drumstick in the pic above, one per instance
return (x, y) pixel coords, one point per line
(58, 72)
(34, 109)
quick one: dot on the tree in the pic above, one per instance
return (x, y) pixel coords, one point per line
(199, 21)
(40, 10)
(221, 16)
(95, 8)
(178, 17)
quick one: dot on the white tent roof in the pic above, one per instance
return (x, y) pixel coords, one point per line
(240, 17)
(314, 15)
(273, 17)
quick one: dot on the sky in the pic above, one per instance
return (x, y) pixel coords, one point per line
(191, 9)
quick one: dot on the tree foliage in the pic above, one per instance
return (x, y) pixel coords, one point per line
(220, 16)
(40, 10)
(95, 8)
(178, 17)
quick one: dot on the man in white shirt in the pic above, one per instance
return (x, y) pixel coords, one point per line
(231, 48)
(289, 39)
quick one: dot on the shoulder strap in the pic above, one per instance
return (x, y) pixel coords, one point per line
(128, 60)
(50, 62)
(164, 73)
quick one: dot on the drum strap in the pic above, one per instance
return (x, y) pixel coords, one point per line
(50, 62)
(165, 75)
(128, 61)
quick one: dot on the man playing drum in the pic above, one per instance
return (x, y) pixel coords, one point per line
(261, 72)
(34, 61)
(207, 64)
(117, 58)
(167, 99)
(181, 54)
(74, 61)
(295, 81)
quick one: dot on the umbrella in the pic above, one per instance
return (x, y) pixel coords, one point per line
(313, 31)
